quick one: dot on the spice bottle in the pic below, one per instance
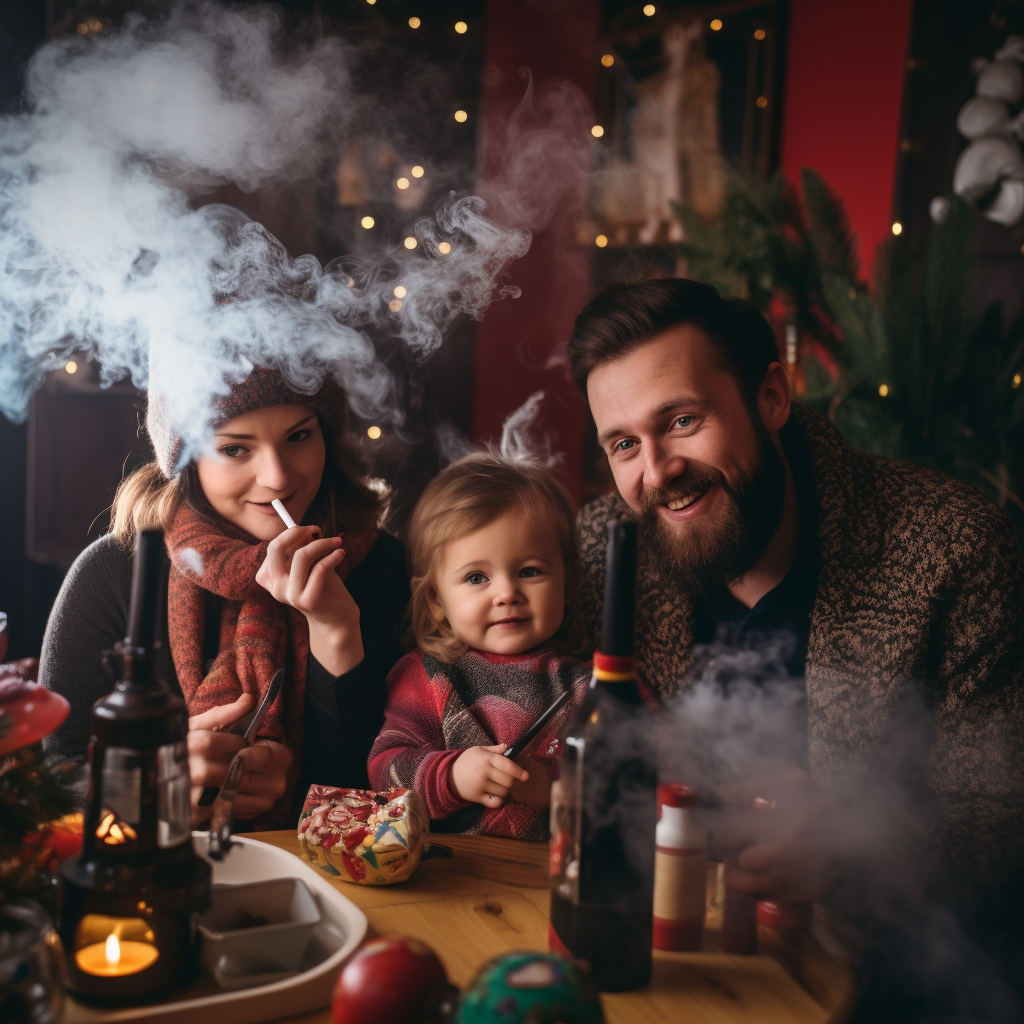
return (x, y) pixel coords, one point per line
(680, 870)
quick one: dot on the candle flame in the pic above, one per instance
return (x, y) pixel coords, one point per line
(113, 950)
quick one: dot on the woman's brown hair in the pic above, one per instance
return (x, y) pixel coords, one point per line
(466, 497)
(147, 500)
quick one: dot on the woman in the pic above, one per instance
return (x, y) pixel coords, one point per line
(246, 595)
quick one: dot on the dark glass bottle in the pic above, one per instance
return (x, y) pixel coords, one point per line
(604, 805)
(137, 873)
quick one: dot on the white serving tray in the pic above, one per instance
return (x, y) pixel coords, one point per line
(341, 929)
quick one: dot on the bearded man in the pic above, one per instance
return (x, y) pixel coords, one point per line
(898, 588)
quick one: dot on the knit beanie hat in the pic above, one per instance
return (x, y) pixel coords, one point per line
(260, 390)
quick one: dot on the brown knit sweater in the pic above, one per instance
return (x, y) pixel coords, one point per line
(920, 590)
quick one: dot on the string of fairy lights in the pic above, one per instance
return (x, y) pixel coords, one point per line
(607, 60)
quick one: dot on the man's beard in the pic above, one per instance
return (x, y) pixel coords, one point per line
(715, 550)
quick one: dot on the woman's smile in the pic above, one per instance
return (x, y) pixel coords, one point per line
(276, 452)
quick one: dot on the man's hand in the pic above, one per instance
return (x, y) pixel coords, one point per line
(788, 845)
(481, 775)
(210, 751)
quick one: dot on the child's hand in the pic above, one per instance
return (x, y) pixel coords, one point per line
(537, 788)
(481, 775)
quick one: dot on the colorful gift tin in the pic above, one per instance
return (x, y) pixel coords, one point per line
(361, 836)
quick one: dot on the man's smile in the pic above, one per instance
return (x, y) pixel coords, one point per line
(684, 506)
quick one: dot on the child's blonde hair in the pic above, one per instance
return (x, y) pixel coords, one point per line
(466, 497)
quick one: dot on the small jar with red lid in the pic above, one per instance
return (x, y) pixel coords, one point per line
(680, 870)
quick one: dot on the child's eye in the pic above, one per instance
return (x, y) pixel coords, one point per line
(476, 578)
(233, 451)
(529, 572)
(300, 435)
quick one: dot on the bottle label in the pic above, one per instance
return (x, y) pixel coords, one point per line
(611, 669)
(122, 784)
(680, 884)
(565, 838)
(173, 785)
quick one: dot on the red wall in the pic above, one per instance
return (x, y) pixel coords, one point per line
(520, 343)
(845, 64)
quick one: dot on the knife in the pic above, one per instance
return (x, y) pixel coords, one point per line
(219, 839)
(248, 727)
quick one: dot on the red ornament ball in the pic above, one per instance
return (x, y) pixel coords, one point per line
(28, 712)
(394, 979)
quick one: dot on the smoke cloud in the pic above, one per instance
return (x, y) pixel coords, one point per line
(739, 730)
(101, 252)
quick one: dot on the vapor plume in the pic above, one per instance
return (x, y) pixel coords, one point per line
(101, 252)
(740, 727)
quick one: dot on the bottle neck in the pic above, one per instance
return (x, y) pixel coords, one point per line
(136, 667)
(611, 668)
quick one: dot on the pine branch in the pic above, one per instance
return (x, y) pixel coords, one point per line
(33, 792)
(829, 227)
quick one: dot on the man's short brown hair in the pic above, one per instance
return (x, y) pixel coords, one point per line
(623, 317)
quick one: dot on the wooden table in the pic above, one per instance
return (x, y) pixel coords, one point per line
(492, 897)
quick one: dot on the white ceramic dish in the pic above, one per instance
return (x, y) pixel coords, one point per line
(278, 943)
(340, 931)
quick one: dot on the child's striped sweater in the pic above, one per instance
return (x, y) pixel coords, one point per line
(435, 711)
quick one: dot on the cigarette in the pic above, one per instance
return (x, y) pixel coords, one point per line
(283, 513)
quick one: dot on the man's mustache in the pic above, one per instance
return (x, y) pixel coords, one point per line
(696, 480)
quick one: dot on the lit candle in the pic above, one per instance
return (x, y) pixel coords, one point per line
(114, 959)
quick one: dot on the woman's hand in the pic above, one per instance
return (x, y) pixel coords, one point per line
(299, 571)
(481, 775)
(210, 751)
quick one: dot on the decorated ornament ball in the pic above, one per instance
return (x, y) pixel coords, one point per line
(938, 208)
(28, 712)
(394, 980)
(530, 988)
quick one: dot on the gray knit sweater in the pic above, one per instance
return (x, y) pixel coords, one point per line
(342, 714)
(920, 604)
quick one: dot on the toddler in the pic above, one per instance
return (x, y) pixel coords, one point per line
(495, 615)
